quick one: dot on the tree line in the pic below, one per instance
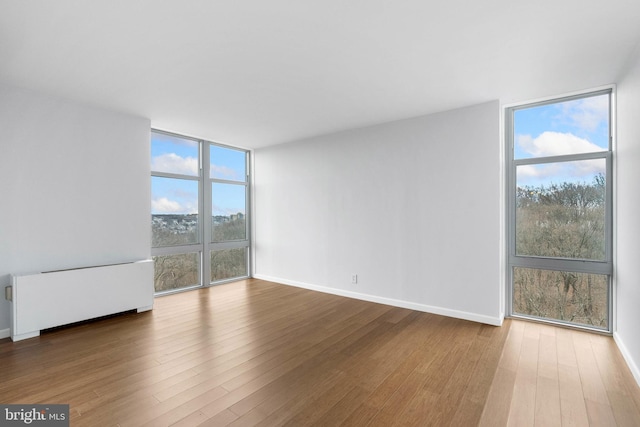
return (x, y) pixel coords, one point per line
(182, 270)
(565, 220)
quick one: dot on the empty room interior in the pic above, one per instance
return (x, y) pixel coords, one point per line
(321, 213)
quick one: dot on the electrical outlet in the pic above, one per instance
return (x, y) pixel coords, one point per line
(354, 279)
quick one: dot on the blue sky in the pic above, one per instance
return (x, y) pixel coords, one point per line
(180, 196)
(578, 126)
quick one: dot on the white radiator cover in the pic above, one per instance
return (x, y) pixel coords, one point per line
(46, 300)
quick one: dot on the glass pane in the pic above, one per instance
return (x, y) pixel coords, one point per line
(570, 127)
(228, 164)
(560, 210)
(570, 297)
(228, 212)
(174, 211)
(176, 271)
(172, 154)
(228, 264)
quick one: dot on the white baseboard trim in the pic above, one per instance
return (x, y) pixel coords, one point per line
(495, 321)
(627, 357)
(5, 333)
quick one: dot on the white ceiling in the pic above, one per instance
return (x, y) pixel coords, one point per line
(254, 73)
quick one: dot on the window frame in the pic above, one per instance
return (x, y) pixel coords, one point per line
(603, 267)
(205, 246)
(207, 236)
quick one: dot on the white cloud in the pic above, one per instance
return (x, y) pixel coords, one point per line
(224, 172)
(589, 168)
(171, 162)
(191, 196)
(164, 205)
(528, 173)
(587, 113)
(555, 144)
(577, 171)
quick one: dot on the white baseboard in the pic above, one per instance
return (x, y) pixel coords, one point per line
(627, 357)
(5, 333)
(495, 321)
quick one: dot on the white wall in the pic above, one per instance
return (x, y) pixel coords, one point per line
(627, 271)
(74, 187)
(412, 207)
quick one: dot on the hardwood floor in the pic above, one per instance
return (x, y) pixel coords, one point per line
(550, 376)
(260, 353)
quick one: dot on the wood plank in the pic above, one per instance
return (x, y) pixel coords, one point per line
(470, 408)
(592, 386)
(522, 410)
(620, 397)
(260, 353)
(498, 404)
(573, 409)
(547, 411)
(496, 411)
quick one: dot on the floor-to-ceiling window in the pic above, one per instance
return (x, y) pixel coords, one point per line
(229, 235)
(199, 212)
(560, 210)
